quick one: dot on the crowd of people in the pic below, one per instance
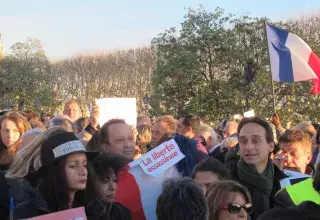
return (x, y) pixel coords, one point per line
(251, 169)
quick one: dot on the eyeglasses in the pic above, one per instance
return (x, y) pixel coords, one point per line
(235, 208)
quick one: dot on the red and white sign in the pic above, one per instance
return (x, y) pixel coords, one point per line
(70, 214)
(161, 158)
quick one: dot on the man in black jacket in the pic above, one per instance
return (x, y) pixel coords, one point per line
(254, 169)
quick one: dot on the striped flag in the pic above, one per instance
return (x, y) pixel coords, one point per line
(291, 59)
(139, 190)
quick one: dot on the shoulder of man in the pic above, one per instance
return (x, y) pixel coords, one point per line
(190, 145)
(283, 199)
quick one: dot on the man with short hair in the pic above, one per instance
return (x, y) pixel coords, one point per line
(209, 139)
(209, 171)
(230, 129)
(72, 110)
(188, 126)
(295, 153)
(116, 137)
(163, 126)
(182, 199)
(254, 169)
(164, 129)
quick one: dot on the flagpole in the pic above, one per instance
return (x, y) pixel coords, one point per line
(272, 83)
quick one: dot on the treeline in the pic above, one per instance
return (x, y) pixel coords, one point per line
(215, 66)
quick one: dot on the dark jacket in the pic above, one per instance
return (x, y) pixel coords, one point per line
(33, 207)
(96, 210)
(278, 175)
(20, 190)
(4, 196)
(231, 158)
(218, 154)
(293, 195)
(192, 154)
(305, 211)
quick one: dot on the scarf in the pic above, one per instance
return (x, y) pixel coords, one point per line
(260, 185)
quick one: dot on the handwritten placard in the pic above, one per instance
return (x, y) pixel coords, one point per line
(70, 214)
(161, 158)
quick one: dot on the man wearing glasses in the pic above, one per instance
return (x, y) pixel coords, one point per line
(295, 153)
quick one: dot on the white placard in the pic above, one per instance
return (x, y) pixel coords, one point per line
(249, 114)
(161, 158)
(117, 108)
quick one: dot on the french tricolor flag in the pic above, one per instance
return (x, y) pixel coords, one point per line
(138, 191)
(291, 59)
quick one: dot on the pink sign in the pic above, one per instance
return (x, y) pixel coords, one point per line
(70, 214)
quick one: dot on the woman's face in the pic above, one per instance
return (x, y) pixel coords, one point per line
(10, 133)
(76, 171)
(235, 198)
(107, 190)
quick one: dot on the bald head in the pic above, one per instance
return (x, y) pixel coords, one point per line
(230, 129)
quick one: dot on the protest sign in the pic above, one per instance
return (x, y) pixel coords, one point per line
(161, 158)
(70, 214)
(249, 114)
(120, 108)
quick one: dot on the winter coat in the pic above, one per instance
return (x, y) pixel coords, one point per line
(96, 210)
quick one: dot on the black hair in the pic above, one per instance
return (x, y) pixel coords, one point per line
(181, 199)
(213, 165)
(100, 169)
(54, 187)
(258, 121)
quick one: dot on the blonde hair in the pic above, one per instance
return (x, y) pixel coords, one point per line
(218, 193)
(144, 137)
(28, 158)
(144, 134)
(169, 121)
(307, 128)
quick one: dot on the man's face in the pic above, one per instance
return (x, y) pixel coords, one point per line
(73, 111)
(204, 137)
(120, 141)
(229, 130)
(158, 131)
(254, 148)
(205, 178)
(297, 157)
(181, 128)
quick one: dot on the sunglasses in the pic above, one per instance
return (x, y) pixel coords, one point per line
(235, 208)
